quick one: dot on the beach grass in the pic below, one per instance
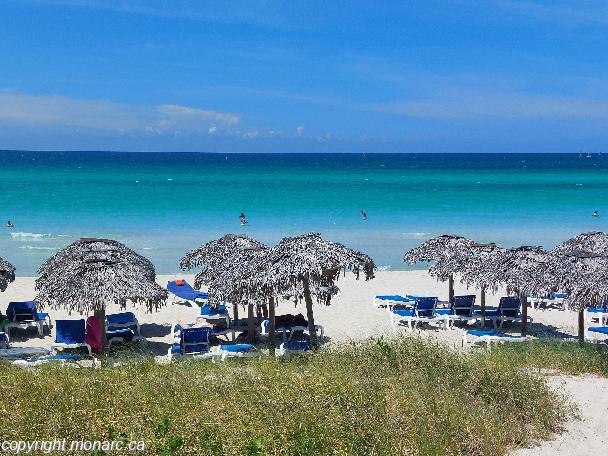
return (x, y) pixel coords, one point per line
(377, 397)
(566, 357)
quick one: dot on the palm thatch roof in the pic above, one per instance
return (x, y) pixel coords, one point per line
(593, 242)
(308, 256)
(583, 275)
(519, 269)
(437, 248)
(219, 256)
(473, 263)
(7, 274)
(91, 273)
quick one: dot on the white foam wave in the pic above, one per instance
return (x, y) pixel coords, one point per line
(416, 235)
(383, 268)
(19, 236)
(36, 247)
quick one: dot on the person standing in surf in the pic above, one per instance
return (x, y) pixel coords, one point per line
(242, 217)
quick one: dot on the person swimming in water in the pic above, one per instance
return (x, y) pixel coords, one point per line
(363, 214)
(596, 213)
(9, 224)
(242, 217)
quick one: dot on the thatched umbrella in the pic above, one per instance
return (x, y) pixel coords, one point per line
(582, 274)
(592, 242)
(7, 274)
(519, 270)
(312, 263)
(579, 269)
(226, 262)
(91, 273)
(473, 263)
(440, 249)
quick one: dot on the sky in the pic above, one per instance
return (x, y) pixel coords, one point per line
(304, 76)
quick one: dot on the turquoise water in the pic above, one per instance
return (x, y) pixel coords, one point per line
(163, 204)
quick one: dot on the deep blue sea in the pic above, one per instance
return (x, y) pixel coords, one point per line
(163, 204)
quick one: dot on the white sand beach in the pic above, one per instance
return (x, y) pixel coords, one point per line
(352, 316)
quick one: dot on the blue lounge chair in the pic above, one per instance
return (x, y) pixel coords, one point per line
(192, 342)
(122, 327)
(287, 329)
(70, 334)
(184, 290)
(490, 336)
(294, 346)
(391, 300)
(600, 313)
(237, 351)
(424, 311)
(24, 315)
(509, 309)
(461, 308)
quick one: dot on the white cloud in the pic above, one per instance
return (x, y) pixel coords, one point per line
(212, 130)
(504, 105)
(251, 134)
(300, 130)
(187, 113)
(54, 110)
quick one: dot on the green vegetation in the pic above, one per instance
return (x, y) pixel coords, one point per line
(376, 397)
(567, 357)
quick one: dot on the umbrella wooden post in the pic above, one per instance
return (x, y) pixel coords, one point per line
(451, 288)
(523, 299)
(235, 320)
(309, 314)
(101, 317)
(581, 324)
(250, 325)
(271, 329)
(483, 307)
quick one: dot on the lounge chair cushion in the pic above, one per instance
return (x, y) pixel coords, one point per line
(444, 312)
(483, 332)
(289, 320)
(404, 312)
(397, 298)
(185, 291)
(126, 334)
(237, 348)
(69, 331)
(123, 318)
(22, 311)
(213, 310)
(298, 345)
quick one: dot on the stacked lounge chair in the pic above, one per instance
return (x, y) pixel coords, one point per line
(70, 334)
(389, 301)
(508, 310)
(193, 342)
(287, 325)
(423, 311)
(122, 327)
(24, 315)
(462, 308)
(489, 337)
(237, 351)
(183, 290)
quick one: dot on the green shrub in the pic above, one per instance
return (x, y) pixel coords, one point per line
(378, 397)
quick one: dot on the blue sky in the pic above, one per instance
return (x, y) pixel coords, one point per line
(314, 76)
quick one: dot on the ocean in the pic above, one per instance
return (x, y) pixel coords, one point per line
(163, 204)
